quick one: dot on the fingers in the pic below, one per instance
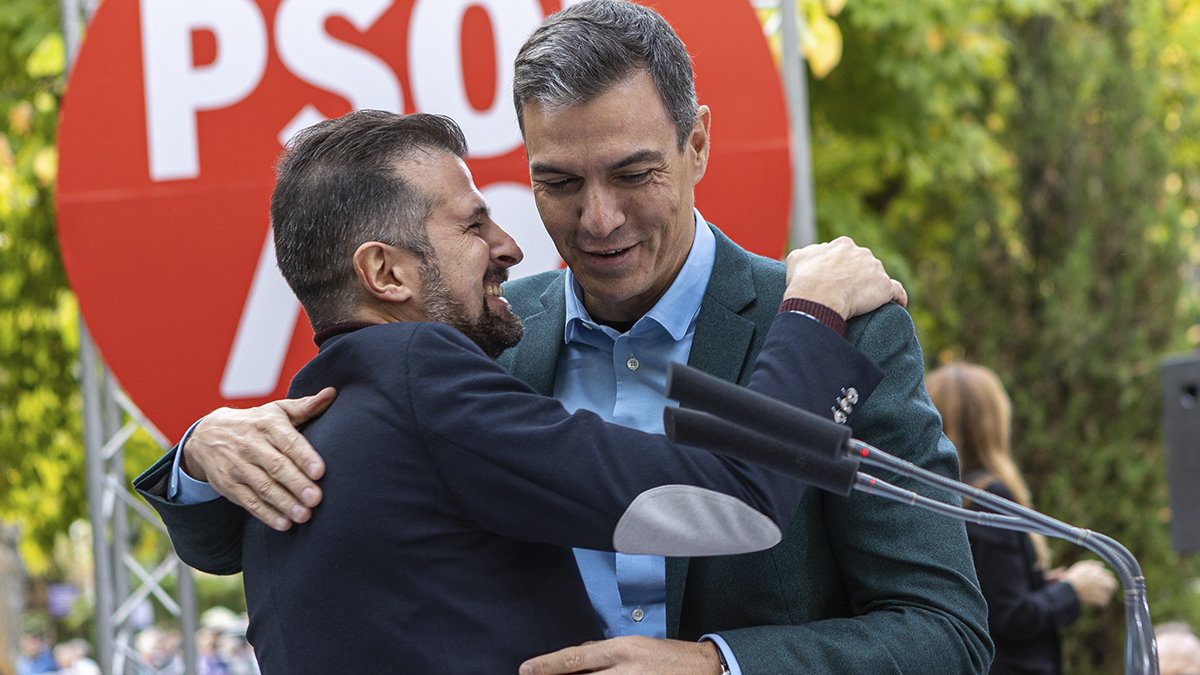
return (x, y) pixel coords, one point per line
(304, 465)
(296, 447)
(581, 659)
(1093, 582)
(899, 295)
(632, 655)
(258, 460)
(843, 276)
(243, 495)
(301, 410)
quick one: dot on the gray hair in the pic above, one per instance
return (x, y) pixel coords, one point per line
(582, 51)
(340, 184)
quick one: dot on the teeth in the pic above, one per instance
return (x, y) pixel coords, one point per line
(494, 290)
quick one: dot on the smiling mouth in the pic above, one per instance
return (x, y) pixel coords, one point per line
(610, 253)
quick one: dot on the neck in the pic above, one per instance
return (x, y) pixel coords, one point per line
(320, 336)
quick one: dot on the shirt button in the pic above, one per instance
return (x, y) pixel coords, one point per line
(638, 615)
(632, 364)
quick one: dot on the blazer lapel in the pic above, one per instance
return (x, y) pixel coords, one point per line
(720, 347)
(723, 336)
(535, 358)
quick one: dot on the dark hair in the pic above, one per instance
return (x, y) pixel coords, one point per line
(341, 183)
(582, 51)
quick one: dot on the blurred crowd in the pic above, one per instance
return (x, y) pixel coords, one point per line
(221, 649)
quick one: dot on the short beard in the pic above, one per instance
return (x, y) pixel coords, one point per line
(493, 332)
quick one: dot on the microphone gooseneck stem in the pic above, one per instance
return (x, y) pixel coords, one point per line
(1141, 656)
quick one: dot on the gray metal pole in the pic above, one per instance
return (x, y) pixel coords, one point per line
(802, 229)
(93, 427)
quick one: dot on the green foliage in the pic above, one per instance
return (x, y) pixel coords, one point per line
(1031, 171)
(42, 486)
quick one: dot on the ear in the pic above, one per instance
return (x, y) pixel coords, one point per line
(699, 142)
(387, 273)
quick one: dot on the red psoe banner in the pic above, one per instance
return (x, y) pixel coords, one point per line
(177, 109)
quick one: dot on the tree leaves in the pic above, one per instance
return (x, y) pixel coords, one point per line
(1030, 171)
(42, 486)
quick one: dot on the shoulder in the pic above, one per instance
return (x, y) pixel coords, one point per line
(399, 339)
(525, 294)
(532, 286)
(888, 322)
(729, 253)
(739, 276)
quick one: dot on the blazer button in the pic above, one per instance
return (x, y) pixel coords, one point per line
(839, 417)
(851, 395)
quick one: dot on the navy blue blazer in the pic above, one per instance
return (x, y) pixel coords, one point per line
(451, 496)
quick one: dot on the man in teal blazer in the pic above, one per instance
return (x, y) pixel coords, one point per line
(616, 142)
(859, 584)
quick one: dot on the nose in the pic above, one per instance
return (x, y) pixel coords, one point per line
(504, 249)
(600, 214)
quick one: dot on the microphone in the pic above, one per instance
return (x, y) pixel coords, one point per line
(821, 453)
(798, 458)
(768, 416)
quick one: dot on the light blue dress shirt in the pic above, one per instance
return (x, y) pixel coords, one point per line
(622, 377)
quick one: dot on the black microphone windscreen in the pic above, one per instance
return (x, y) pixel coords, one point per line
(761, 413)
(793, 458)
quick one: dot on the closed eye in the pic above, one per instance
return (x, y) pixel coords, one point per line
(635, 178)
(554, 184)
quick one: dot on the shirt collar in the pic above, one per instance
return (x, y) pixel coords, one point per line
(676, 310)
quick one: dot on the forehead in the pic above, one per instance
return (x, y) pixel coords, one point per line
(627, 117)
(445, 179)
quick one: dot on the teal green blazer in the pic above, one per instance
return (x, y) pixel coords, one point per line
(859, 584)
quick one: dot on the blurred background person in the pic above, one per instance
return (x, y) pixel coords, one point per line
(72, 657)
(35, 654)
(1178, 649)
(208, 660)
(1027, 602)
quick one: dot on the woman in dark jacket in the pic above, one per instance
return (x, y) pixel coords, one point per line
(1027, 605)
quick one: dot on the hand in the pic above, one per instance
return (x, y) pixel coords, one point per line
(843, 276)
(629, 655)
(257, 459)
(1093, 583)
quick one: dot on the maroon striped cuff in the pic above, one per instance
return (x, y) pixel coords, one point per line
(826, 316)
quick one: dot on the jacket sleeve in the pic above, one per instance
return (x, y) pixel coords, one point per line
(510, 456)
(915, 604)
(206, 536)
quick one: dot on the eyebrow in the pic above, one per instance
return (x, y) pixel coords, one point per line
(481, 211)
(636, 158)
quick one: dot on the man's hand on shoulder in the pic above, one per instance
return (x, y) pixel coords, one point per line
(843, 276)
(257, 459)
(629, 655)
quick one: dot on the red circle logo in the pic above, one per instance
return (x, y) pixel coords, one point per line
(176, 112)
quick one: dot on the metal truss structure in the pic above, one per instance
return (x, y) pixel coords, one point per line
(122, 583)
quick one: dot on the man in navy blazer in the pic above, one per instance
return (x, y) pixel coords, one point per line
(449, 509)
